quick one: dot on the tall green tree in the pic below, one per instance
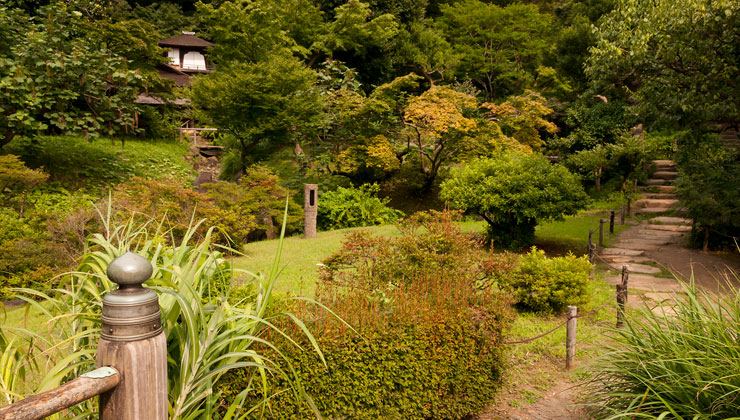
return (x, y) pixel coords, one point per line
(678, 61)
(55, 76)
(500, 47)
(269, 102)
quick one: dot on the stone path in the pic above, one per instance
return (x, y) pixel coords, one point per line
(651, 235)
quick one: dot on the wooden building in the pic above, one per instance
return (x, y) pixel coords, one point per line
(187, 54)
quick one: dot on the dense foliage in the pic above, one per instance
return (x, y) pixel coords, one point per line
(513, 192)
(354, 207)
(690, 343)
(427, 338)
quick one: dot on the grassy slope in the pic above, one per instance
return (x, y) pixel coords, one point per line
(74, 163)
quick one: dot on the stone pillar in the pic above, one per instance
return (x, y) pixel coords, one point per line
(132, 341)
(310, 206)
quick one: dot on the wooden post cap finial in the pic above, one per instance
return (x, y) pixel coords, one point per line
(129, 270)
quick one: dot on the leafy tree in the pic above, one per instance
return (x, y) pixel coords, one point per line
(53, 76)
(428, 52)
(271, 102)
(513, 192)
(522, 117)
(677, 61)
(500, 47)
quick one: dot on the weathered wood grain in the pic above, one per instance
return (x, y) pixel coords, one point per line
(53, 401)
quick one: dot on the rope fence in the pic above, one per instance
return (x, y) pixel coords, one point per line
(572, 316)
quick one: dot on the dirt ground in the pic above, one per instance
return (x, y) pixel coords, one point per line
(711, 270)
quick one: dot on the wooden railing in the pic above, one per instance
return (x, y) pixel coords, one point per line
(132, 354)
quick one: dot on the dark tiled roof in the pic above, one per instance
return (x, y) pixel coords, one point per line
(185, 41)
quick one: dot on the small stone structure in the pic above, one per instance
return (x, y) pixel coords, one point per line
(310, 209)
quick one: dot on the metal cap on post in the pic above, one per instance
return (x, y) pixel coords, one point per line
(130, 313)
(133, 342)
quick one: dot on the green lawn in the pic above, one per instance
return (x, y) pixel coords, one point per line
(299, 270)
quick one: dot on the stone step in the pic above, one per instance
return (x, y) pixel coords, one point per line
(652, 182)
(664, 162)
(647, 240)
(642, 268)
(652, 210)
(639, 245)
(622, 251)
(625, 259)
(665, 175)
(663, 196)
(668, 228)
(658, 188)
(647, 282)
(668, 220)
(656, 202)
(659, 234)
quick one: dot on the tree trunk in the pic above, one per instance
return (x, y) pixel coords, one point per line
(705, 247)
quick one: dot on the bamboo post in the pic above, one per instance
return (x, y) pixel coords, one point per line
(622, 295)
(611, 222)
(621, 215)
(133, 342)
(601, 233)
(591, 253)
(629, 206)
(570, 337)
(310, 209)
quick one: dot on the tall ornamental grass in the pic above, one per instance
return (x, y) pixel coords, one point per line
(680, 360)
(206, 335)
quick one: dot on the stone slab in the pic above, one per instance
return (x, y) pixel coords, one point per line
(647, 282)
(665, 174)
(656, 202)
(655, 182)
(668, 220)
(624, 259)
(652, 210)
(668, 228)
(664, 162)
(643, 246)
(658, 188)
(622, 251)
(669, 196)
(642, 268)
(646, 233)
(649, 241)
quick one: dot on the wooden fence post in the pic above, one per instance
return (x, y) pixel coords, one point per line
(629, 206)
(621, 215)
(611, 222)
(570, 337)
(132, 341)
(622, 295)
(601, 233)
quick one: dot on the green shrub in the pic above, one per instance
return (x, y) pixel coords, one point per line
(544, 284)
(353, 207)
(513, 192)
(679, 360)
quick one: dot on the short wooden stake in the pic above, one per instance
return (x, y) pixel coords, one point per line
(621, 215)
(570, 337)
(611, 222)
(622, 296)
(601, 233)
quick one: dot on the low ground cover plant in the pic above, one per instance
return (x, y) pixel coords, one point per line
(679, 360)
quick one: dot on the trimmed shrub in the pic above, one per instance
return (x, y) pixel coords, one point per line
(354, 207)
(426, 336)
(544, 284)
(513, 192)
